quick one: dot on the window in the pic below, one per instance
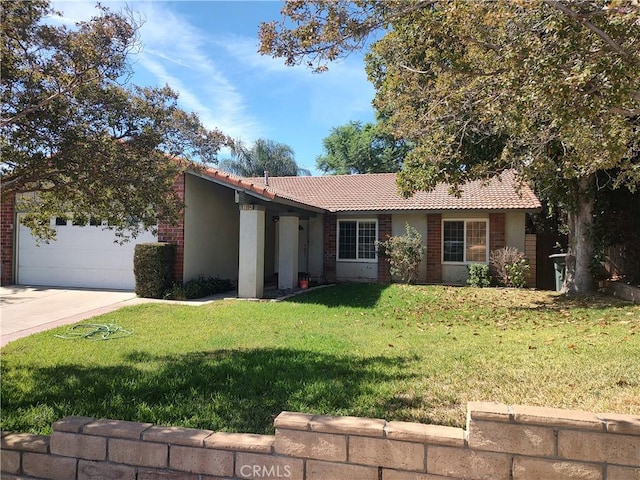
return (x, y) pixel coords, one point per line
(61, 221)
(464, 241)
(357, 239)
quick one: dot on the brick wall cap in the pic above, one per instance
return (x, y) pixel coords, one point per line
(72, 424)
(418, 432)
(349, 425)
(619, 423)
(189, 437)
(498, 412)
(26, 442)
(116, 428)
(555, 416)
(246, 442)
(293, 420)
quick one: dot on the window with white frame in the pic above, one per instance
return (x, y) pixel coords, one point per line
(464, 241)
(357, 239)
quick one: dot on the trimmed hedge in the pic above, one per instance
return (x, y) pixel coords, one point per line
(153, 268)
(198, 288)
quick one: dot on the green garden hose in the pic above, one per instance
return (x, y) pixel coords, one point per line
(96, 331)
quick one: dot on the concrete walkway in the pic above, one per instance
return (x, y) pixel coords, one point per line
(26, 310)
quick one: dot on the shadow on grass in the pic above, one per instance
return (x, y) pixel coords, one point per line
(596, 301)
(226, 390)
(356, 295)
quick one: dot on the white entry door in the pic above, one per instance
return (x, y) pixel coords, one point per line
(81, 256)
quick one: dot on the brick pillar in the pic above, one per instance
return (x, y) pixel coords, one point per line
(434, 248)
(329, 247)
(384, 233)
(496, 231)
(7, 219)
(175, 233)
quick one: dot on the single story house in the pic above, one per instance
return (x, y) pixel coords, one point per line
(257, 230)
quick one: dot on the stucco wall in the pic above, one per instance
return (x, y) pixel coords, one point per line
(211, 230)
(514, 230)
(316, 233)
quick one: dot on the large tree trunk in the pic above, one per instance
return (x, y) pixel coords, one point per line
(578, 278)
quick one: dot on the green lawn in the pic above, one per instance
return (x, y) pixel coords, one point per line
(399, 352)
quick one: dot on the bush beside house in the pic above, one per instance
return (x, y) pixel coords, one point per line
(153, 268)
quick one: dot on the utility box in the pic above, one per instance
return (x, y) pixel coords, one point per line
(559, 267)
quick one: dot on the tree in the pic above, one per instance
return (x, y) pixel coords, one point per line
(75, 138)
(358, 148)
(264, 155)
(548, 88)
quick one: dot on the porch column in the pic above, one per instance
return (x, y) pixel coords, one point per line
(251, 264)
(288, 252)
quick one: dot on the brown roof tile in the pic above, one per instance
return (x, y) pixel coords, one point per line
(379, 192)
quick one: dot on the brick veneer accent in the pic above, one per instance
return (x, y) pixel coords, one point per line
(384, 233)
(434, 248)
(500, 442)
(175, 233)
(496, 231)
(329, 247)
(7, 219)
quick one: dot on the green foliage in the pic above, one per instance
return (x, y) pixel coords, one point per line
(616, 232)
(75, 138)
(479, 275)
(264, 155)
(153, 268)
(517, 273)
(510, 265)
(198, 288)
(546, 88)
(357, 148)
(405, 252)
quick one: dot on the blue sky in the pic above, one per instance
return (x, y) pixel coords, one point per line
(207, 51)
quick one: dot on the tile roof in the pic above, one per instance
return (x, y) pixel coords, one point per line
(379, 192)
(237, 182)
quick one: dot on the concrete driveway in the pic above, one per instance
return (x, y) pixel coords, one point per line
(25, 310)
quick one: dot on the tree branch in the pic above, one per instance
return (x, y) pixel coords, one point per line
(8, 121)
(598, 31)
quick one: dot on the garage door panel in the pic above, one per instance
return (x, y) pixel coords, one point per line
(81, 256)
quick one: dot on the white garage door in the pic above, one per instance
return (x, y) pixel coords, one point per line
(81, 256)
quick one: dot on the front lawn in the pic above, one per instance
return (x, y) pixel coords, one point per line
(400, 352)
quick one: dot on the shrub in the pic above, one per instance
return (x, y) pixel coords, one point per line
(153, 268)
(405, 253)
(198, 288)
(479, 275)
(511, 266)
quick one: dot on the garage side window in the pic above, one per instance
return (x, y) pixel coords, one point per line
(464, 241)
(357, 239)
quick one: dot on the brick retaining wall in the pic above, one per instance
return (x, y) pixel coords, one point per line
(500, 443)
